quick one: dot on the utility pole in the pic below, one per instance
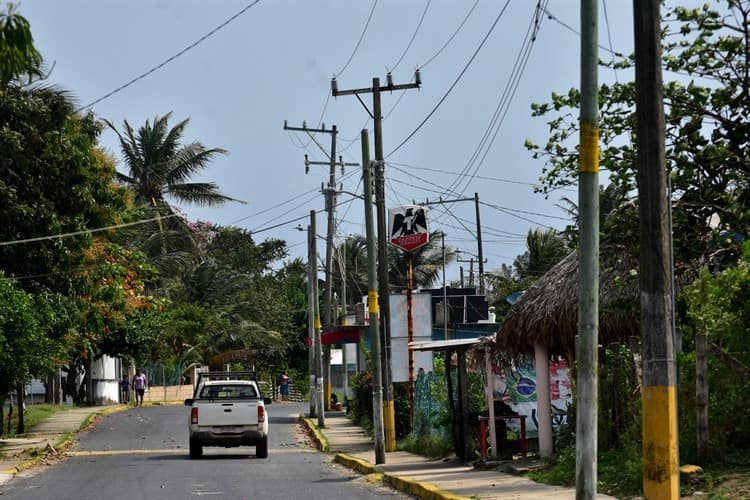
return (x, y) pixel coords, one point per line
(330, 193)
(480, 256)
(320, 407)
(587, 354)
(659, 399)
(311, 298)
(479, 245)
(343, 320)
(471, 271)
(377, 116)
(373, 308)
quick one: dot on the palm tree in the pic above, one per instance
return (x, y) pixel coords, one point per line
(159, 166)
(427, 262)
(544, 249)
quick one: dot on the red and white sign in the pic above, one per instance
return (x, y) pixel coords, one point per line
(408, 227)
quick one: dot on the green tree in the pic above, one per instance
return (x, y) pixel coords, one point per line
(159, 166)
(544, 249)
(18, 56)
(427, 263)
(707, 134)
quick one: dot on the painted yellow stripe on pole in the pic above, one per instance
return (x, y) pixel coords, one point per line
(318, 324)
(389, 425)
(372, 302)
(589, 156)
(660, 477)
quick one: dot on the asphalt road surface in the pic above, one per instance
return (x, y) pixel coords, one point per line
(142, 453)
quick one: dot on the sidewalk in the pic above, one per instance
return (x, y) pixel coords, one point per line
(17, 454)
(425, 477)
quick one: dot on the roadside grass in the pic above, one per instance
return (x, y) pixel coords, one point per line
(433, 447)
(33, 416)
(618, 472)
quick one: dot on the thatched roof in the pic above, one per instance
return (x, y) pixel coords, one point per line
(548, 312)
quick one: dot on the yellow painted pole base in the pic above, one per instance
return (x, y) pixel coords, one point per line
(389, 425)
(661, 477)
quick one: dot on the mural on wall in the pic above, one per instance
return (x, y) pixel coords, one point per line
(517, 389)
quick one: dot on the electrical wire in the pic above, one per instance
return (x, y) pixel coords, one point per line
(440, 51)
(502, 108)
(498, 179)
(609, 37)
(356, 47)
(84, 231)
(455, 82)
(170, 59)
(419, 25)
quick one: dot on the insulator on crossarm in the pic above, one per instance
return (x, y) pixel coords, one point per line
(418, 77)
(334, 87)
(341, 162)
(389, 79)
(307, 165)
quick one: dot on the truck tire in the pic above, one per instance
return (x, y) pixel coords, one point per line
(196, 449)
(261, 449)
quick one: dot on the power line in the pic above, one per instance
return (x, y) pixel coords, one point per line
(503, 105)
(85, 231)
(170, 59)
(453, 85)
(419, 25)
(452, 36)
(497, 207)
(498, 179)
(356, 47)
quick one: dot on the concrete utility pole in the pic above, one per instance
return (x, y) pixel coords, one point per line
(372, 307)
(311, 298)
(660, 461)
(320, 406)
(377, 116)
(480, 256)
(587, 354)
(330, 192)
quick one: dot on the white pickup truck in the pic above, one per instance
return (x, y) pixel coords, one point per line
(228, 410)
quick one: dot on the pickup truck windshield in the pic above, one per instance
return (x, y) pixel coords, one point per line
(228, 391)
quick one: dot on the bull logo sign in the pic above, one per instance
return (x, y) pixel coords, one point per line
(408, 227)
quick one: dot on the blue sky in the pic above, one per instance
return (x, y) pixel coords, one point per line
(274, 62)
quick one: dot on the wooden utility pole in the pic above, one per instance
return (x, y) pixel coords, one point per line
(587, 354)
(311, 298)
(377, 116)
(373, 308)
(330, 196)
(410, 329)
(701, 397)
(660, 463)
(320, 405)
(482, 260)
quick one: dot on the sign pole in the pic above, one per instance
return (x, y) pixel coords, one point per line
(410, 330)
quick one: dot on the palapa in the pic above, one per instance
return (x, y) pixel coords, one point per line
(547, 313)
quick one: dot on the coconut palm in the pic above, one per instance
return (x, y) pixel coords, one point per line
(427, 262)
(159, 166)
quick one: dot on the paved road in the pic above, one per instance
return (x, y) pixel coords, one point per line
(142, 453)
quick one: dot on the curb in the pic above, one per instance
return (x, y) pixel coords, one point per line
(321, 443)
(64, 442)
(425, 491)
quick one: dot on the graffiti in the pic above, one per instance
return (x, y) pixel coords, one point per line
(517, 389)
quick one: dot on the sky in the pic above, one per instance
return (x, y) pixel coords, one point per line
(274, 62)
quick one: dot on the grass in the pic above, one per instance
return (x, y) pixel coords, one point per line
(433, 447)
(33, 416)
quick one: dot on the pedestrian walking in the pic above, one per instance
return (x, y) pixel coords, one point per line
(284, 386)
(139, 386)
(124, 389)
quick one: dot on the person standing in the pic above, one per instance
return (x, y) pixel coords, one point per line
(284, 386)
(125, 389)
(139, 386)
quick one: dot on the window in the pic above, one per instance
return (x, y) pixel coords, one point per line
(228, 391)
